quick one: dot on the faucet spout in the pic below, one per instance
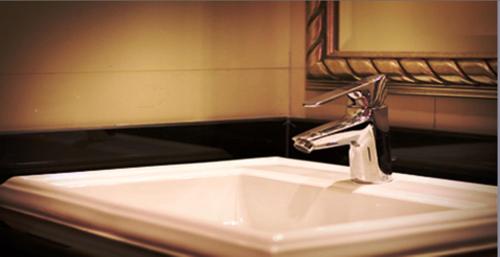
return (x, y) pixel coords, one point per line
(307, 145)
(331, 134)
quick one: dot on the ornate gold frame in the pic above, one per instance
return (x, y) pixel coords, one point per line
(413, 73)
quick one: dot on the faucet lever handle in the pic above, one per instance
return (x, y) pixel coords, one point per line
(368, 92)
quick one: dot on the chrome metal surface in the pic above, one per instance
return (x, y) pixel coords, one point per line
(364, 127)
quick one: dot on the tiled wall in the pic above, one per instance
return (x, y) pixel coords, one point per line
(91, 64)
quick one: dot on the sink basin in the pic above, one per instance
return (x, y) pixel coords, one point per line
(255, 207)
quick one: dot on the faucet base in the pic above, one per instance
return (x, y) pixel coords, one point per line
(382, 179)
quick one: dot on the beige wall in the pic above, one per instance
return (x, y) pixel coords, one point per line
(73, 65)
(79, 65)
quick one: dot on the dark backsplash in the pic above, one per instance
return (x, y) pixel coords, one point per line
(437, 154)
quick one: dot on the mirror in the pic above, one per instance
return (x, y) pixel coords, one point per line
(442, 48)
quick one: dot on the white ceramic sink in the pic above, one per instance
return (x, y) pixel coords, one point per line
(255, 207)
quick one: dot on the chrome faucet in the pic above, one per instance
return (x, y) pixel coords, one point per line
(365, 127)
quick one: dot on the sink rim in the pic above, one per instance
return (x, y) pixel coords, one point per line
(263, 241)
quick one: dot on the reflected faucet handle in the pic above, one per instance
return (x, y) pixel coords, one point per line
(369, 92)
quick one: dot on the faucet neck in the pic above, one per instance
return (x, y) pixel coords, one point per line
(366, 158)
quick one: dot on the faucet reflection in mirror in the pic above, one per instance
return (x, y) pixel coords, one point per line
(364, 127)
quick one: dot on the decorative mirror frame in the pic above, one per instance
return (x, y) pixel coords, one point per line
(410, 73)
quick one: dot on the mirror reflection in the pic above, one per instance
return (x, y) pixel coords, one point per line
(422, 26)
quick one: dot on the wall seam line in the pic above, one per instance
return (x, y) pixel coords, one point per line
(138, 71)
